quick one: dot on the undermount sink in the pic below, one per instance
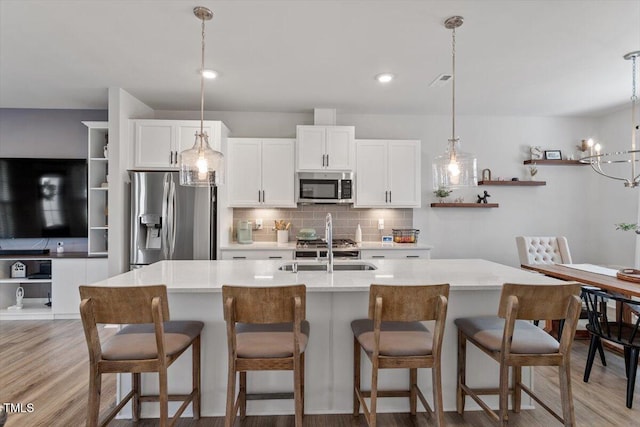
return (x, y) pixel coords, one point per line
(352, 266)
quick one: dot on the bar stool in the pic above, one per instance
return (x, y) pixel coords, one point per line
(266, 330)
(149, 343)
(513, 341)
(394, 337)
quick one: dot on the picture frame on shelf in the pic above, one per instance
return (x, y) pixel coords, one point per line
(552, 155)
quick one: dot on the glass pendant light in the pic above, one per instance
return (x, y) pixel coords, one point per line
(455, 168)
(201, 166)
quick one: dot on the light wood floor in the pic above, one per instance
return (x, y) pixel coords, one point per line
(45, 363)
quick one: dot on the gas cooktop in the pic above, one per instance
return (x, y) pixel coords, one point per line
(319, 243)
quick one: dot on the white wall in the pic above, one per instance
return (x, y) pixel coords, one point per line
(614, 202)
(122, 107)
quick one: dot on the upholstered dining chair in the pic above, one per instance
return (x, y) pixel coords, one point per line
(550, 250)
(266, 331)
(149, 342)
(511, 340)
(393, 337)
(543, 250)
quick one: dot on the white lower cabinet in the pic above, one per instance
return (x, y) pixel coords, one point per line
(67, 275)
(63, 276)
(252, 254)
(396, 254)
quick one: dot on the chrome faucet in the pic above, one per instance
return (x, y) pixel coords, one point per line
(328, 236)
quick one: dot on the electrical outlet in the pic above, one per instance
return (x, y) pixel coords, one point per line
(258, 224)
(381, 224)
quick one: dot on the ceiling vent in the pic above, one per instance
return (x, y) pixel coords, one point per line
(441, 80)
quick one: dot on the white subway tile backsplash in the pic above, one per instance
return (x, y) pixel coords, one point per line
(345, 220)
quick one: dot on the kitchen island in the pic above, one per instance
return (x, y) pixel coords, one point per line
(333, 301)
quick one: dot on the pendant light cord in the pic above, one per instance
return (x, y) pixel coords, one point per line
(453, 88)
(202, 89)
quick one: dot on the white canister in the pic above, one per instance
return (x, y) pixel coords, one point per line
(282, 236)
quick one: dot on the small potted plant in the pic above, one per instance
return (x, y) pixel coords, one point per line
(623, 226)
(441, 193)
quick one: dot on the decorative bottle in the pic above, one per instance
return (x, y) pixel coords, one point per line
(358, 238)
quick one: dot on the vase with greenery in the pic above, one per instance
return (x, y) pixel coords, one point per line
(442, 193)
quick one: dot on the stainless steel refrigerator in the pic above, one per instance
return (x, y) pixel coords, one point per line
(169, 221)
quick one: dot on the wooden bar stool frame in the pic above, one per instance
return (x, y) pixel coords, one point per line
(526, 302)
(404, 304)
(134, 305)
(276, 304)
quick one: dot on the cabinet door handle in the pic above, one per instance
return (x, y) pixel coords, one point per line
(327, 160)
(239, 257)
(377, 256)
(323, 160)
(389, 196)
(386, 197)
(170, 157)
(259, 196)
(263, 198)
(413, 256)
(275, 257)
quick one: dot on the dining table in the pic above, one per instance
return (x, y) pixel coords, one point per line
(589, 274)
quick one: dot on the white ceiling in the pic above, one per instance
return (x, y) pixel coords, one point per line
(514, 57)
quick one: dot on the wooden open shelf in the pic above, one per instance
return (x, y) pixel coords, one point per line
(513, 183)
(464, 205)
(555, 162)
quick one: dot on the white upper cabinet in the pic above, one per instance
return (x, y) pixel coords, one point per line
(261, 172)
(387, 174)
(325, 148)
(157, 143)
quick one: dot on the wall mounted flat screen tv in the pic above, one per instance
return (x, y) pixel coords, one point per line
(43, 198)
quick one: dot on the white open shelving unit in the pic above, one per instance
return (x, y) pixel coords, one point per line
(98, 169)
(32, 308)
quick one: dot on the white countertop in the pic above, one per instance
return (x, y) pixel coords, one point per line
(273, 246)
(209, 276)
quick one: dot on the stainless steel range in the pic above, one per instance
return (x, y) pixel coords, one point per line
(342, 249)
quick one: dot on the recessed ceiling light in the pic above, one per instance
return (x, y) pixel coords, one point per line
(209, 74)
(384, 77)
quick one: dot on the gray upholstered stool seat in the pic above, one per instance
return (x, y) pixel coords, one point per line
(488, 332)
(268, 340)
(396, 338)
(138, 341)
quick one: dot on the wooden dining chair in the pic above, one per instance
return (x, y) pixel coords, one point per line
(617, 330)
(393, 337)
(266, 331)
(514, 342)
(149, 342)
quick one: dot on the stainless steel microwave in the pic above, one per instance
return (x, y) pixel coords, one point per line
(324, 187)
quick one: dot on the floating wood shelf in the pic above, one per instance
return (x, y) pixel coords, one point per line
(513, 183)
(555, 162)
(464, 205)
